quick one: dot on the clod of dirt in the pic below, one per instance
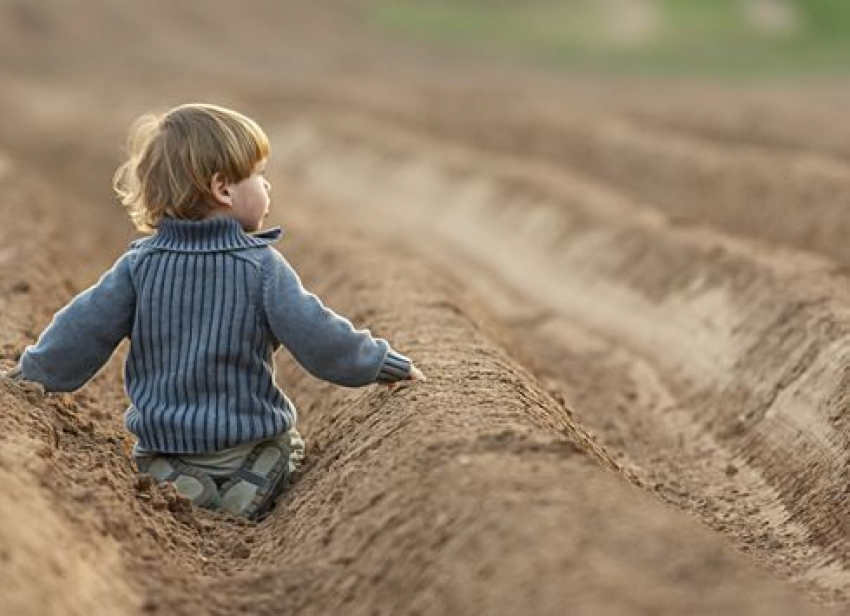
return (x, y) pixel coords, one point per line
(240, 550)
(150, 605)
(143, 483)
(21, 287)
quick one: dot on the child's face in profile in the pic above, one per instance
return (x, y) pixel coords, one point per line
(250, 198)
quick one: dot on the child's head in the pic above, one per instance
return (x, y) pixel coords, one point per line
(180, 161)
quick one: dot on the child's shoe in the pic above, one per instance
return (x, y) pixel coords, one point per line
(190, 482)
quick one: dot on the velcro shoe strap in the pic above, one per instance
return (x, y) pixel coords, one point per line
(252, 478)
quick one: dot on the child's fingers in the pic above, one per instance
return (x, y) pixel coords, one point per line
(415, 374)
(14, 373)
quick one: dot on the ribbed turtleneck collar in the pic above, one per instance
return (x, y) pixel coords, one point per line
(216, 234)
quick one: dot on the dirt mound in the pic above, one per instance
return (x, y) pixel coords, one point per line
(722, 325)
(475, 470)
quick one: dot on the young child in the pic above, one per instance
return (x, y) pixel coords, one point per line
(206, 301)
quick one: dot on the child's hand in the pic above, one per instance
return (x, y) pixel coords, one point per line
(415, 374)
(13, 373)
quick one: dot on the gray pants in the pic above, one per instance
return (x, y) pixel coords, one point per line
(244, 480)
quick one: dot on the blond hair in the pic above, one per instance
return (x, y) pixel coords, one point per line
(173, 158)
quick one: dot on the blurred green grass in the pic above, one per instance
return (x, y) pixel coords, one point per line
(720, 38)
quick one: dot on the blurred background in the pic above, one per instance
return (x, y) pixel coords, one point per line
(62, 60)
(729, 39)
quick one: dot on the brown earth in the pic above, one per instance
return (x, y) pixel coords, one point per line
(631, 300)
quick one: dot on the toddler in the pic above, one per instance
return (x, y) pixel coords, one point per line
(206, 301)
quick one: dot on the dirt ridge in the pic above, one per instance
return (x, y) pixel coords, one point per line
(770, 335)
(790, 199)
(385, 541)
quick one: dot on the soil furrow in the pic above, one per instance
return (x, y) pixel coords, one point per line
(797, 200)
(431, 499)
(756, 346)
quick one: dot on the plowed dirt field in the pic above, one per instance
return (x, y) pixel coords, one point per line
(632, 301)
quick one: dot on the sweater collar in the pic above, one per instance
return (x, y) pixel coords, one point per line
(218, 234)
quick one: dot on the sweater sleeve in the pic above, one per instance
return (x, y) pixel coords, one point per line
(324, 343)
(83, 334)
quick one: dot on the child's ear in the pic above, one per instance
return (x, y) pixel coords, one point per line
(220, 190)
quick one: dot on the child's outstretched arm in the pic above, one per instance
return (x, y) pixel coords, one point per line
(326, 344)
(83, 334)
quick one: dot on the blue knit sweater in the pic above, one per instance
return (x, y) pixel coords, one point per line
(205, 305)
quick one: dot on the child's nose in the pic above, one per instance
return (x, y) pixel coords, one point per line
(268, 185)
